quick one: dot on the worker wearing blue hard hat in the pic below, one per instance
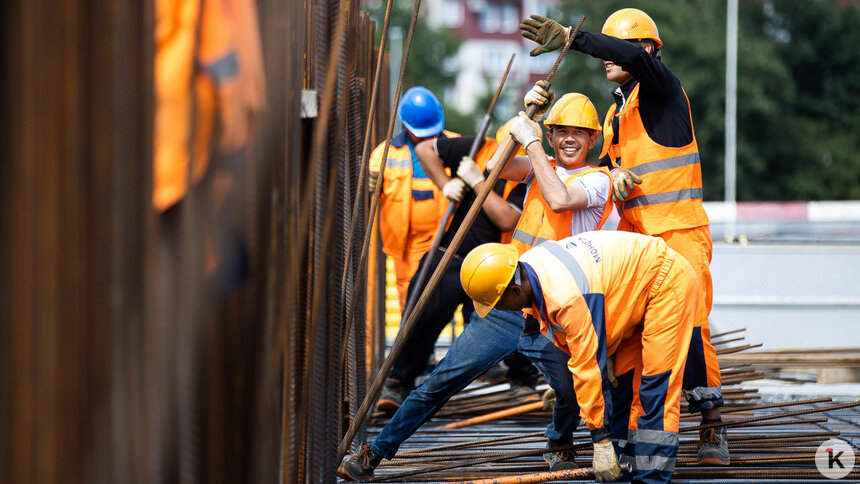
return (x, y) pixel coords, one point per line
(410, 205)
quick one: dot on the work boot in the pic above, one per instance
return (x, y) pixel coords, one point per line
(559, 460)
(523, 388)
(392, 396)
(713, 446)
(496, 374)
(360, 466)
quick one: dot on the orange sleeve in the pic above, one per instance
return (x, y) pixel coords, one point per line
(583, 344)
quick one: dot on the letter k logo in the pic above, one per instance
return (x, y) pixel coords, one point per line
(831, 459)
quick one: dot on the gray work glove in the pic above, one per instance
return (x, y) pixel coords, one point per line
(454, 189)
(550, 34)
(622, 181)
(605, 463)
(470, 172)
(540, 96)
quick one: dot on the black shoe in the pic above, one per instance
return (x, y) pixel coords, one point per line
(392, 396)
(360, 466)
(559, 460)
(496, 374)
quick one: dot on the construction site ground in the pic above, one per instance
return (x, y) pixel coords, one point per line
(777, 419)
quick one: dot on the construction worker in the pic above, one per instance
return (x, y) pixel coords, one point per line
(410, 205)
(493, 335)
(495, 222)
(657, 178)
(594, 293)
(571, 196)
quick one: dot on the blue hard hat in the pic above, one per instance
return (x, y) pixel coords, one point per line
(421, 112)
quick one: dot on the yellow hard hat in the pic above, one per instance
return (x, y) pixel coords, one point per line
(573, 109)
(486, 272)
(503, 132)
(632, 24)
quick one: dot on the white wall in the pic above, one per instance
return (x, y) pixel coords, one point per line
(788, 296)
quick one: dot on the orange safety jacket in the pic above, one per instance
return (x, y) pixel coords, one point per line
(539, 223)
(592, 292)
(670, 195)
(209, 89)
(407, 204)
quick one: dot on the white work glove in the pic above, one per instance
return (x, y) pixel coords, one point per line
(540, 96)
(454, 189)
(605, 463)
(470, 172)
(622, 181)
(372, 180)
(525, 131)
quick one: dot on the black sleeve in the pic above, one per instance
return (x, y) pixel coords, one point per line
(651, 73)
(517, 196)
(452, 150)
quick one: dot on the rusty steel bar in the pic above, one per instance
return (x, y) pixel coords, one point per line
(582, 473)
(508, 147)
(735, 423)
(449, 211)
(362, 176)
(477, 443)
(373, 392)
(719, 335)
(494, 415)
(777, 404)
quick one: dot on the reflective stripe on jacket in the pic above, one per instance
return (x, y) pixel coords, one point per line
(539, 223)
(670, 195)
(594, 288)
(407, 204)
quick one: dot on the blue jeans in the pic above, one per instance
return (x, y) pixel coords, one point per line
(483, 343)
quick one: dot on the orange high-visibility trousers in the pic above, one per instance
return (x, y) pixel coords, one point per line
(417, 244)
(702, 380)
(646, 405)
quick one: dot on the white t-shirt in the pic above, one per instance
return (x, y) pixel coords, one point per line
(597, 188)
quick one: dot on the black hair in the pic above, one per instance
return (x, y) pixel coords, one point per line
(655, 49)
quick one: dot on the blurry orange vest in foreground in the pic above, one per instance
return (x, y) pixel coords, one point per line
(209, 87)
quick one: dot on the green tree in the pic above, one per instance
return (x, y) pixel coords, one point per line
(814, 141)
(428, 59)
(798, 108)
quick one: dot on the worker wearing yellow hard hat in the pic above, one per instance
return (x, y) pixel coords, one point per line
(582, 200)
(657, 180)
(595, 294)
(566, 195)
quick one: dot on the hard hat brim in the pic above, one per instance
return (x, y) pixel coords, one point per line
(483, 309)
(425, 132)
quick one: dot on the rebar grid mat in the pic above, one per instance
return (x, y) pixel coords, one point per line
(775, 441)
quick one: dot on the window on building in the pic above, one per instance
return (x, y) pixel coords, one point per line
(451, 14)
(490, 17)
(510, 18)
